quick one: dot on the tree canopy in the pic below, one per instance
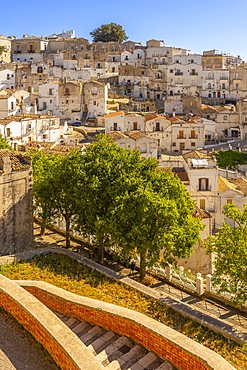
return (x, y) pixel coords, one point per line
(230, 247)
(109, 32)
(4, 144)
(119, 199)
(230, 158)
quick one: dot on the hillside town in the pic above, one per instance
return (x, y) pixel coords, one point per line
(58, 92)
(68, 110)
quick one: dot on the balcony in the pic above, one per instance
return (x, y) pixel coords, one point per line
(181, 137)
(179, 73)
(203, 188)
(209, 77)
(224, 78)
(193, 73)
(193, 137)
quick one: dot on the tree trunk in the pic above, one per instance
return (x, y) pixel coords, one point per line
(67, 232)
(142, 265)
(42, 227)
(100, 250)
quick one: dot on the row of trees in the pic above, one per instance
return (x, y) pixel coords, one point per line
(118, 198)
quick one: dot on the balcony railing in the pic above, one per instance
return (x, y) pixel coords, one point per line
(193, 137)
(223, 77)
(203, 188)
(194, 73)
(181, 137)
(179, 73)
(209, 77)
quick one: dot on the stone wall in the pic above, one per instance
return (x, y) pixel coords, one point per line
(16, 215)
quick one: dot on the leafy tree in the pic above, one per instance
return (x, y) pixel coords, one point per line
(105, 165)
(1, 50)
(230, 158)
(230, 247)
(56, 181)
(4, 144)
(109, 32)
(155, 219)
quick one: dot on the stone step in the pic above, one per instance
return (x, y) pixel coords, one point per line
(71, 321)
(113, 347)
(127, 359)
(102, 342)
(166, 366)
(81, 327)
(145, 361)
(91, 335)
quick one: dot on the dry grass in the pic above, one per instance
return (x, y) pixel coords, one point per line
(66, 273)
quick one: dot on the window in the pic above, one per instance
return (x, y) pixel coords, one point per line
(203, 184)
(193, 134)
(8, 77)
(157, 126)
(182, 146)
(40, 70)
(173, 144)
(209, 85)
(225, 118)
(67, 102)
(50, 91)
(94, 102)
(181, 134)
(171, 70)
(50, 101)
(229, 201)
(66, 92)
(8, 131)
(115, 126)
(12, 105)
(202, 203)
(134, 125)
(193, 144)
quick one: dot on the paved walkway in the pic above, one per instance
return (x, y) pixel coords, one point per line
(226, 321)
(18, 350)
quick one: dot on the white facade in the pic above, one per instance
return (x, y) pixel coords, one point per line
(7, 79)
(216, 84)
(48, 98)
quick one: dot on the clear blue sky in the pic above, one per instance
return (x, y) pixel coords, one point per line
(192, 24)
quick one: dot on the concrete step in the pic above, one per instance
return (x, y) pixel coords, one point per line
(102, 342)
(112, 348)
(90, 336)
(113, 351)
(145, 361)
(127, 359)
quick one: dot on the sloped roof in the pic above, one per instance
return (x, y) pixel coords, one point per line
(225, 184)
(119, 113)
(18, 161)
(153, 116)
(196, 154)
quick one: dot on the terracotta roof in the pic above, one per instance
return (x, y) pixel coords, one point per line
(116, 135)
(195, 154)
(153, 116)
(18, 161)
(136, 135)
(201, 213)
(176, 119)
(119, 113)
(241, 184)
(19, 118)
(208, 106)
(225, 184)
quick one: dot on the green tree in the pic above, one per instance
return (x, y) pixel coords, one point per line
(56, 180)
(109, 32)
(1, 50)
(230, 158)
(155, 220)
(105, 165)
(4, 144)
(230, 247)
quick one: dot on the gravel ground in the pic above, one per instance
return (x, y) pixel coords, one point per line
(18, 350)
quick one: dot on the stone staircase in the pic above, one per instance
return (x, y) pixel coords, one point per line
(113, 351)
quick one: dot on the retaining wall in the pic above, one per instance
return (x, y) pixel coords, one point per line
(181, 351)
